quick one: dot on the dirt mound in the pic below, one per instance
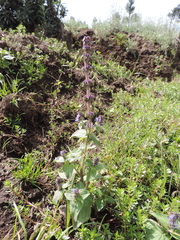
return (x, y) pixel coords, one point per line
(143, 57)
(24, 118)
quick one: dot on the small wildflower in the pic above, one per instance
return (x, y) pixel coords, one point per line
(58, 182)
(87, 68)
(95, 161)
(87, 81)
(86, 55)
(76, 192)
(86, 39)
(173, 218)
(100, 120)
(86, 47)
(90, 96)
(63, 152)
(77, 119)
(91, 113)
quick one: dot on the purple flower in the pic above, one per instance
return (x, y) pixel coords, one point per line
(88, 81)
(86, 47)
(91, 113)
(88, 97)
(76, 192)
(95, 161)
(86, 39)
(173, 218)
(86, 68)
(63, 152)
(77, 119)
(58, 182)
(100, 120)
(86, 55)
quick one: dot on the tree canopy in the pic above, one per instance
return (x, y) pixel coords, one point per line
(175, 13)
(43, 14)
(130, 7)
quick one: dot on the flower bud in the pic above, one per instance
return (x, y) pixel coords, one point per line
(95, 161)
(76, 192)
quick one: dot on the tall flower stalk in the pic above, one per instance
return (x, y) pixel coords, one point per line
(88, 97)
(79, 171)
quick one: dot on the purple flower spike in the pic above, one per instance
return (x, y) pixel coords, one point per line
(77, 119)
(76, 192)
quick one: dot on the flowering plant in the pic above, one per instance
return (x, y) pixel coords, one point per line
(77, 182)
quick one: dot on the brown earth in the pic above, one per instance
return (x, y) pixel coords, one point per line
(143, 57)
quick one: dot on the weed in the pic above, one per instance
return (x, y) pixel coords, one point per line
(29, 168)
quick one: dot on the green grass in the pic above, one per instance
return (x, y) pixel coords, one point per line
(141, 152)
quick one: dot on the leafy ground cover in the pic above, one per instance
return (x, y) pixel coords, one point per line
(135, 185)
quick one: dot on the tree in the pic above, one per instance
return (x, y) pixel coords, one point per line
(175, 13)
(130, 7)
(43, 14)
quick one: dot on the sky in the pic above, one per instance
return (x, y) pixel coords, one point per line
(86, 10)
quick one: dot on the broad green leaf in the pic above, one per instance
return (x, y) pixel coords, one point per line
(81, 133)
(85, 211)
(58, 195)
(81, 211)
(62, 175)
(100, 204)
(84, 193)
(68, 168)
(66, 185)
(69, 195)
(94, 139)
(162, 218)
(74, 155)
(155, 232)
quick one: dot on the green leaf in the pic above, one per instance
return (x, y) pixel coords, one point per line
(84, 193)
(94, 139)
(154, 231)
(62, 175)
(162, 218)
(100, 204)
(85, 212)
(69, 195)
(81, 133)
(74, 155)
(58, 195)
(81, 210)
(68, 168)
